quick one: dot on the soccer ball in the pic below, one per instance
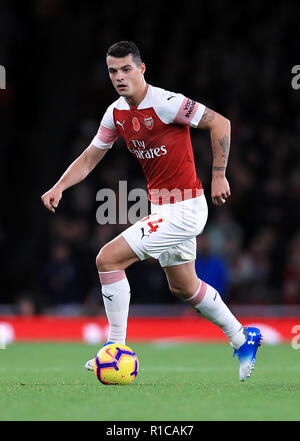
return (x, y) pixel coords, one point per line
(116, 364)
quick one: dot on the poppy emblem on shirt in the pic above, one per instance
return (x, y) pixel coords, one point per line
(149, 122)
(136, 124)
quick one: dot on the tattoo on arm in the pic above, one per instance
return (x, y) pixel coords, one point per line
(220, 148)
(207, 117)
(219, 168)
(224, 143)
(220, 139)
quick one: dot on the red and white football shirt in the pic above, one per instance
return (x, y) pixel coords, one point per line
(157, 133)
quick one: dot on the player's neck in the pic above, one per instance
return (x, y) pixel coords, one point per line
(136, 99)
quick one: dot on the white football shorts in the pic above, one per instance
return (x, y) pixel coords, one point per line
(169, 232)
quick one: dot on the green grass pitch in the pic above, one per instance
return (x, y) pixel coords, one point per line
(178, 382)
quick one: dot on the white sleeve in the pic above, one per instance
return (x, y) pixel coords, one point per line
(175, 108)
(107, 132)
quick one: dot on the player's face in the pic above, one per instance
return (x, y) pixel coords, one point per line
(127, 77)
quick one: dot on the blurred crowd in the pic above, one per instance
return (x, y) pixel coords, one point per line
(236, 61)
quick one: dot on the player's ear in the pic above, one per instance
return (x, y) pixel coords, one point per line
(143, 68)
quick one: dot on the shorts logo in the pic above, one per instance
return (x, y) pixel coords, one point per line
(143, 233)
(136, 124)
(149, 122)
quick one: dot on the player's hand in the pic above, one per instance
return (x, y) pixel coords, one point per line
(220, 190)
(51, 198)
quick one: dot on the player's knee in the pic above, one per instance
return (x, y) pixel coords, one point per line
(176, 291)
(180, 291)
(104, 261)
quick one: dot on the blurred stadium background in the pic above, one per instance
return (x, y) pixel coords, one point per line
(237, 61)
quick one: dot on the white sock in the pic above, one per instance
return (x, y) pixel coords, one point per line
(116, 298)
(207, 301)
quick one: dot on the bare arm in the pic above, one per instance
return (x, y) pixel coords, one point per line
(220, 142)
(75, 173)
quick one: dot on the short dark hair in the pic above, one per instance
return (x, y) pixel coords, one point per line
(123, 48)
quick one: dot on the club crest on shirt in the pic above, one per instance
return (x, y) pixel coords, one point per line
(136, 124)
(149, 122)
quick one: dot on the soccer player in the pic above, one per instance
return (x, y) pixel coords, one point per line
(155, 124)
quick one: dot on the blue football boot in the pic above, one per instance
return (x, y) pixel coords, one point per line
(247, 352)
